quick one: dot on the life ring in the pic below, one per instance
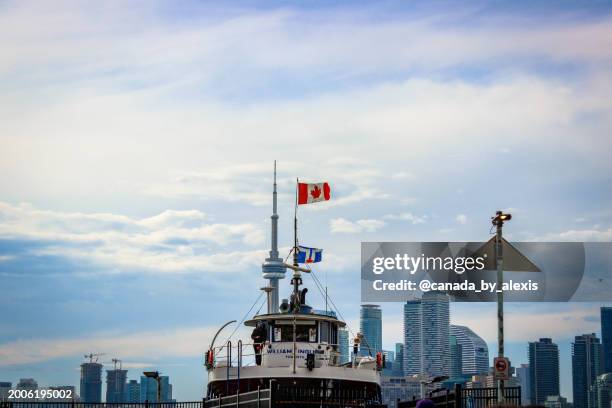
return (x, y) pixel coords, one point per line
(210, 359)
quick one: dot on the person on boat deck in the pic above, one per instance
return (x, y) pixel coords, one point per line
(258, 336)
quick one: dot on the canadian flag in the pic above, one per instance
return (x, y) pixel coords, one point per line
(313, 192)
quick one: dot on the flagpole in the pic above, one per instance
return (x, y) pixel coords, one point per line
(295, 239)
(296, 275)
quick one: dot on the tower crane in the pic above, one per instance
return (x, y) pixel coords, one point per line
(115, 361)
(93, 357)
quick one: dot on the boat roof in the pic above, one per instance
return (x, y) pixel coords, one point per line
(290, 316)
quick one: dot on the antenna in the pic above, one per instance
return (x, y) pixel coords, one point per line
(274, 243)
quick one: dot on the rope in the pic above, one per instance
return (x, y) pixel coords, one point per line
(333, 304)
(258, 310)
(243, 319)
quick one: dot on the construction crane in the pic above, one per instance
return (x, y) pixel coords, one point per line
(115, 361)
(93, 357)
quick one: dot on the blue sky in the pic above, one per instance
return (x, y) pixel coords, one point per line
(138, 139)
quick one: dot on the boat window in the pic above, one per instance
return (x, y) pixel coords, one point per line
(333, 334)
(302, 333)
(277, 334)
(325, 332)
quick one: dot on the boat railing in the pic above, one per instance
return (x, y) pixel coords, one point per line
(230, 355)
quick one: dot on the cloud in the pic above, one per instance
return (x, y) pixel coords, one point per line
(171, 241)
(218, 90)
(401, 175)
(344, 226)
(526, 325)
(350, 182)
(461, 219)
(406, 216)
(237, 183)
(586, 235)
(181, 342)
(243, 40)
(382, 115)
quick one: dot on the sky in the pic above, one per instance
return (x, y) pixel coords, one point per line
(138, 142)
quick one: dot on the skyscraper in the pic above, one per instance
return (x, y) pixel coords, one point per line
(556, 401)
(148, 389)
(27, 384)
(603, 391)
(435, 324)
(132, 392)
(412, 337)
(115, 385)
(522, 373)
(456, 359)
(370, 323)
(5, 386)
(343, 345)
(389, 360)
(543, 370)
(426, 335)
(586, 367)
(606, 338)
(474, 351)
(398, 364)
(91, 382)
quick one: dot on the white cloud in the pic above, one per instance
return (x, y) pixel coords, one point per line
(173, 89)
(525, 325)
(401, 175)
(586, 235)
(344, 226)
(406, 216)
(172, 241)
(79, 36)
(350, 182)
(461, 219)
(182, 342)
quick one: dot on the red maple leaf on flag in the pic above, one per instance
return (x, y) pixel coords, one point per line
(316, 192)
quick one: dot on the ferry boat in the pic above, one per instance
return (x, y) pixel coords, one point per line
(293, 355)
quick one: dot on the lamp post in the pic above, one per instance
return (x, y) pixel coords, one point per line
(498, 222)
(157, 378)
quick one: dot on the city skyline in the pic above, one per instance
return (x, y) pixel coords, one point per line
(104, 390)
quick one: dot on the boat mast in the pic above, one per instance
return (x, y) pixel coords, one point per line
(296, 280)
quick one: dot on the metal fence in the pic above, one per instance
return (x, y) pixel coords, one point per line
(323, 397)
(252, 399)
(74, 404)
(485, 397)
(297, 397)
(279, 397)
(461, 397)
